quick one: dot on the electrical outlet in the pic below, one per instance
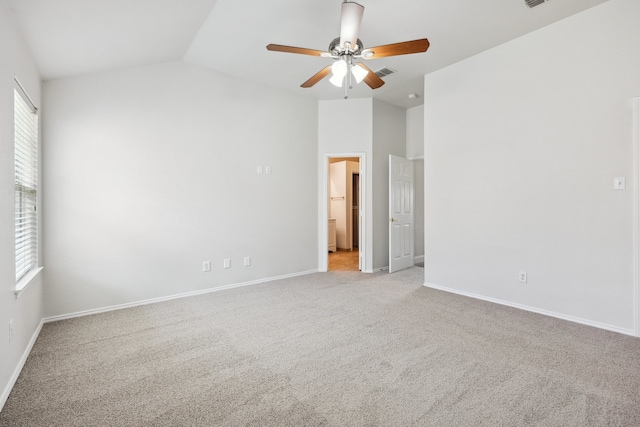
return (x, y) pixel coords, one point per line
(11, 330)
(206, 266)
(523, 276)
(247, 261)
(227, 263)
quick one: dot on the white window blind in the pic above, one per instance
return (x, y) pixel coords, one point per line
(26, 183)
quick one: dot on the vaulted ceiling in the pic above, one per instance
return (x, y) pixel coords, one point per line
(75, 37)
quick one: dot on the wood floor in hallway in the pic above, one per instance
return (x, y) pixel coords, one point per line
(343, 260)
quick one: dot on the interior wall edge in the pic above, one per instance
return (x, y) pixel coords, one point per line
(171, 297)
(16, 373)
(636, 216)
(536, 310)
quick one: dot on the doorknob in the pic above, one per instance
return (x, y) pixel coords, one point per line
(392, 220)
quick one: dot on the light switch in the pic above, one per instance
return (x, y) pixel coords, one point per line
(619, 183)
(267, 170)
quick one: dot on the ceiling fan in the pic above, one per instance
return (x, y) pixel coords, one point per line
(347, 48)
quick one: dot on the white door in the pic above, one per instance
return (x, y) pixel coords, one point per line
(401, 195)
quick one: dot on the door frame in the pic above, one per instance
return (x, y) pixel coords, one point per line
(323, 215)
(351, 240)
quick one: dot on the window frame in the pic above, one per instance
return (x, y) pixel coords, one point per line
(26, 189)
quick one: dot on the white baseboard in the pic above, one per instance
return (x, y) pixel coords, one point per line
(418, 259)
(16, 373)
(534, 310)
(172, 297)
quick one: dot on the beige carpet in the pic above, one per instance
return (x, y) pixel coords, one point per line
(335, 349)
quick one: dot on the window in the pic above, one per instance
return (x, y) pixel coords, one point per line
(26, 182)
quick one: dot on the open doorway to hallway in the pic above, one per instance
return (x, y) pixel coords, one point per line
(344, 260)
(344, 214)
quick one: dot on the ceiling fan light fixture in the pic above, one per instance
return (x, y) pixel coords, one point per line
(336, 81)
(359, 73)
(339, 70)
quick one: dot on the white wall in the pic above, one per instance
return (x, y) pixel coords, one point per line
(522, 143)
(26, 312)
(152, 170)
(389, 137)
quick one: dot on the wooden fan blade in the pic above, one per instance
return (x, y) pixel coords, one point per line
(371, 79)
(403, 48)
(298, 50)
(317, 77)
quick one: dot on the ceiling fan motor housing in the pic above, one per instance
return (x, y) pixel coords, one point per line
(337, 50)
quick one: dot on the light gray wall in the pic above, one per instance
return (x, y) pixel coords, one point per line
(522, 143)
(418, 220)
(389, 137)
(152, 170)
(415, 151)
(26, 312)
(415, 132)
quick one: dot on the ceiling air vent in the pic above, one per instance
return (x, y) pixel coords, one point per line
(384, 72)
(534, 3)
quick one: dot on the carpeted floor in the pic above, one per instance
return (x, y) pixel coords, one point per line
(333, 349)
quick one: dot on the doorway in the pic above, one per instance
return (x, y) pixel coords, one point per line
(344, 210)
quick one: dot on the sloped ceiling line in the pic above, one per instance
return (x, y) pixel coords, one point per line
(74, 37)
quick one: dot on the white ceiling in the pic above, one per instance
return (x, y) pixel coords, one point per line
(74, 37)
